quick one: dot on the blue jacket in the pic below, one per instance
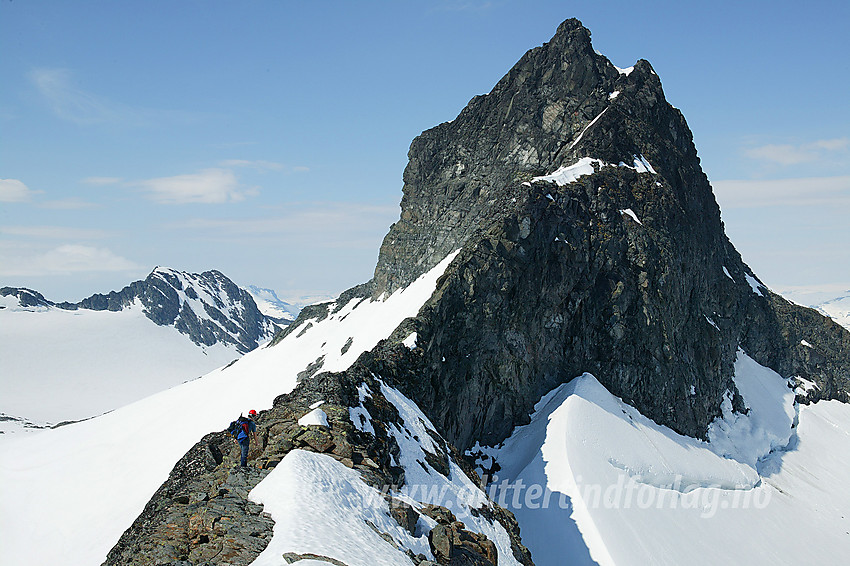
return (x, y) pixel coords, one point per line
(252, 427)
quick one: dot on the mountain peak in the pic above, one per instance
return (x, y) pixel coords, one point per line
(590, 241)
(559, 103)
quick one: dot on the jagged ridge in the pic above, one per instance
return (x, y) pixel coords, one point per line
(208, 307)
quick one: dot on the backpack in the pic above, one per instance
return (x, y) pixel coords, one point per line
(237, 426)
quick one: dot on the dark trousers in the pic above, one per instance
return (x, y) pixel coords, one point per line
(243, 444)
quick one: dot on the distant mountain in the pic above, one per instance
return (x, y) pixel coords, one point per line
(837, 308)
(68, 361)
(208, 307)
(835, 305)
(282, 312)
(8, 423)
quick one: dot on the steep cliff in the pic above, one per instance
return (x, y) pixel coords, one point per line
(591, 241)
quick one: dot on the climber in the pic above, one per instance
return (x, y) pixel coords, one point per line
(243, 430)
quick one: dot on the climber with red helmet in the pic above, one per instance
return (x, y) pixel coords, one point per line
(243, 429)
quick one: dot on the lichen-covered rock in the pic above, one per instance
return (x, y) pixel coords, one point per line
(453, 545)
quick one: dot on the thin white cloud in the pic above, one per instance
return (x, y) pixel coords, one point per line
(812, 191)
(13, 190)
(210, 186)
(790, 154)
(74, 104)
(334, 225)
(68, 204)
(834, 144)
(54, 232)
(64, 259)
(101, 180)
(259, 164)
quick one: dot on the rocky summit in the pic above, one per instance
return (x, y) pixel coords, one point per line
(588, 240)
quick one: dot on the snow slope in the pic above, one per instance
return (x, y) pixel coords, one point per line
(591, 480)
(85, 483)
(60, 365)
(567, 174)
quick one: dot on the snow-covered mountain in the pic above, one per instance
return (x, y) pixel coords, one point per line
(70, 361)
(835, 305)
(283, 312)
(559, 306)
(590, 479)
(620, 489)
(838, 309)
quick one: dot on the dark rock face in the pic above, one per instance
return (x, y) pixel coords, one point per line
(26, 297)
(775, 337)
(462, 174)
(202, 515)
(453, 545)
(208, 307)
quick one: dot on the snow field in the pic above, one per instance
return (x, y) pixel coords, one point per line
(631, 213)
(769, 424)
(60, 365)
(85, 483)
(315, 417)
(624, 490)
(754, 284)
(319, 506)
(360, 417)
(838, 309)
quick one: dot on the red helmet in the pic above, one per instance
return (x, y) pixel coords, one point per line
(252, 413)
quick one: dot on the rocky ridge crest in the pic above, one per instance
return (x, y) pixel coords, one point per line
(202, 515)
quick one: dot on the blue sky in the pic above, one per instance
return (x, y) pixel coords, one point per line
(268, 139)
